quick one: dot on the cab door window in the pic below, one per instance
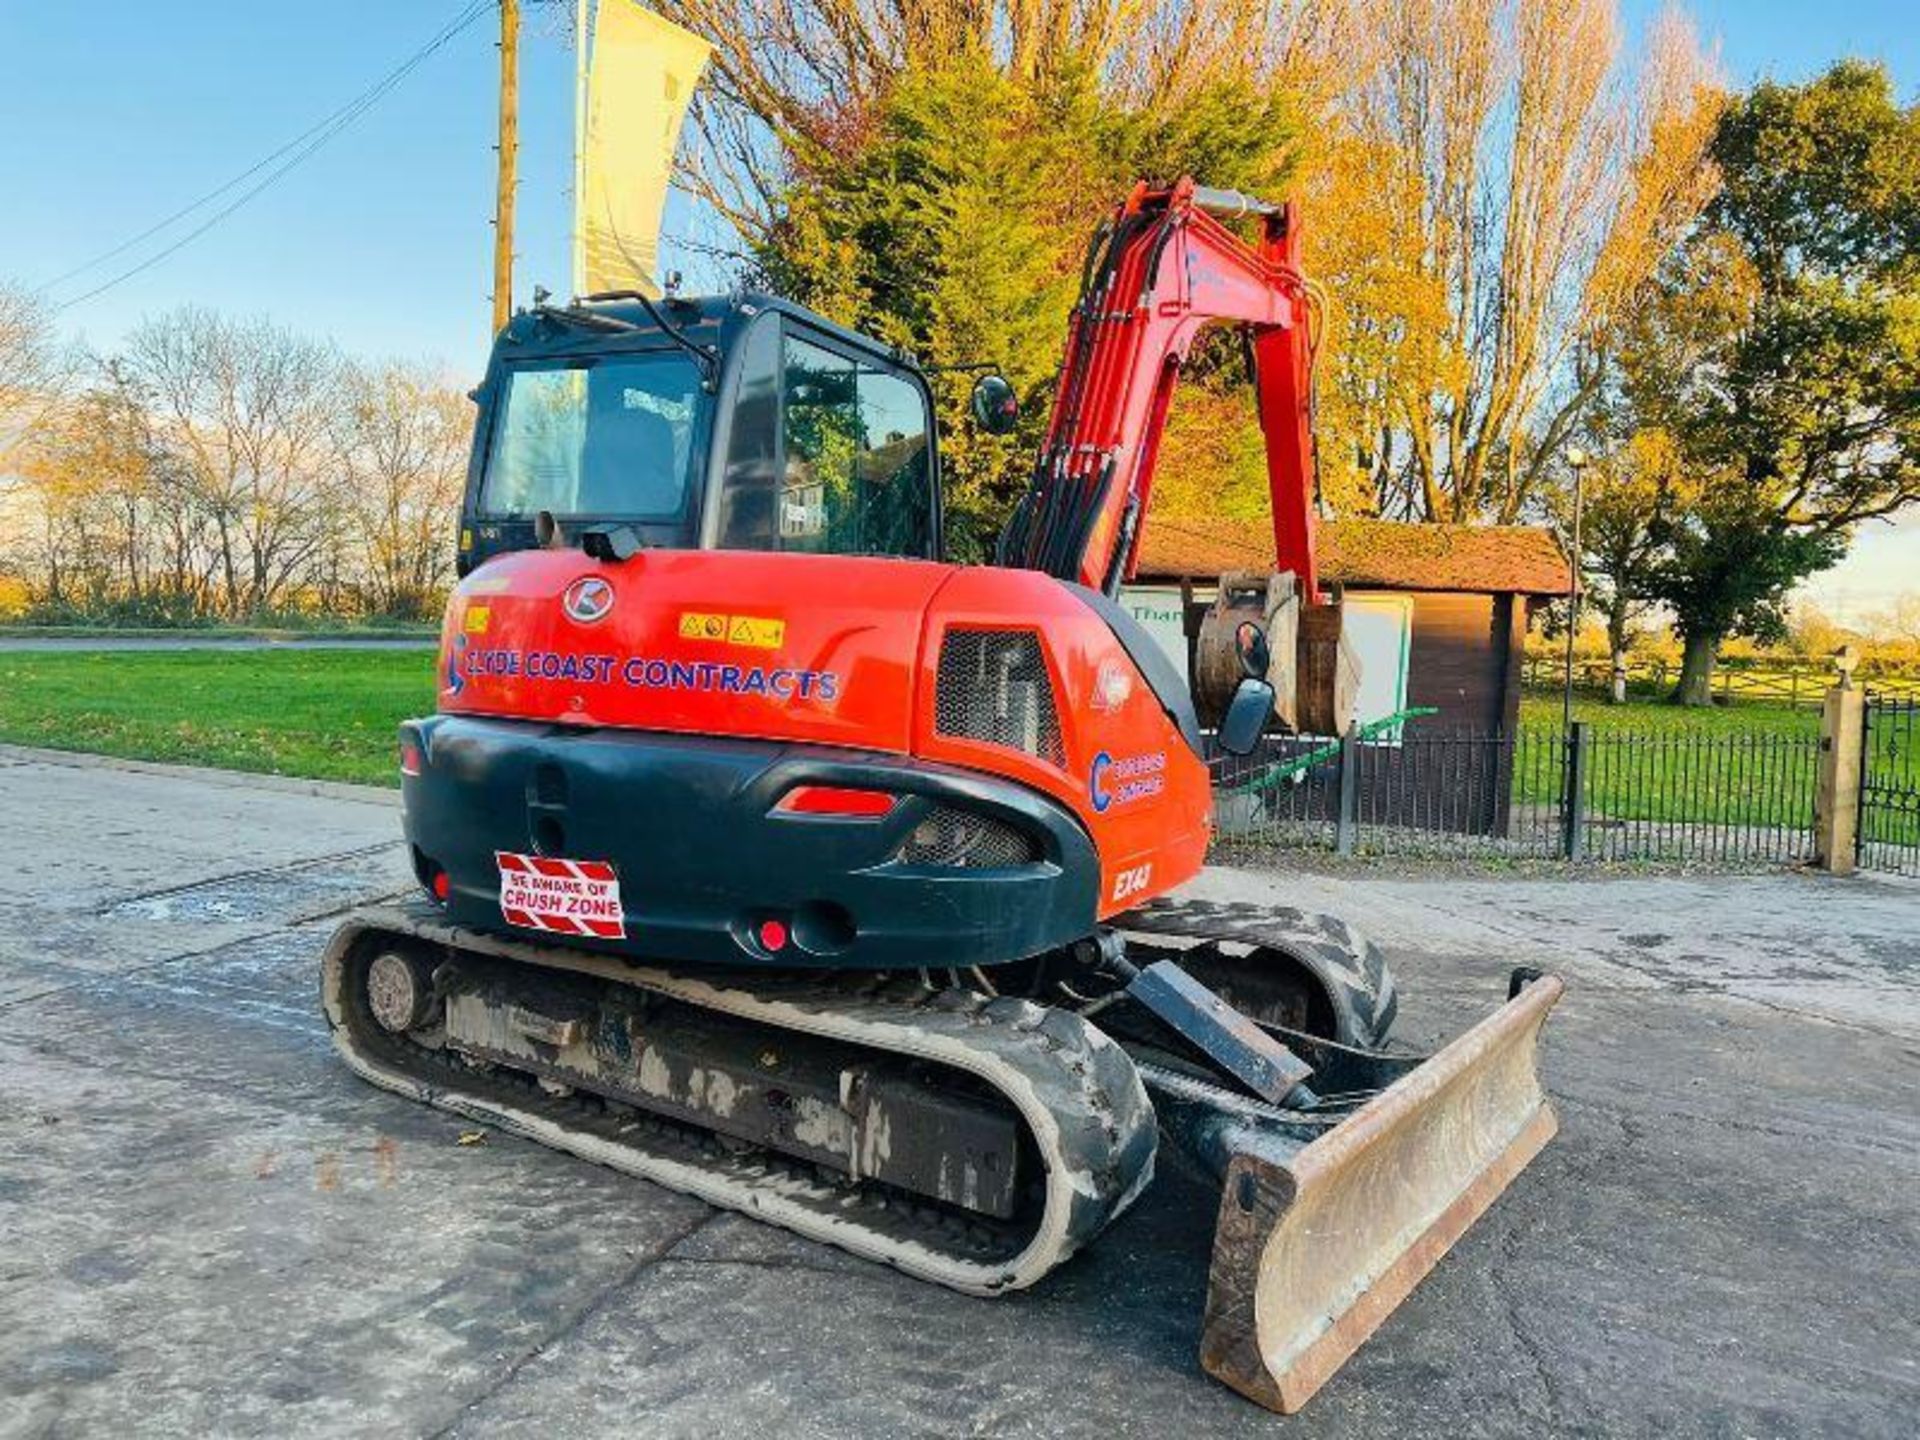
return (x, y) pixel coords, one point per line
(750, 484)
(818, 503)
(850, 472)
(893, 468)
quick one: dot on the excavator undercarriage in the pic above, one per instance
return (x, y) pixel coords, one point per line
(977, 1139)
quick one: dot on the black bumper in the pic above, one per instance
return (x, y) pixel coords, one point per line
(704, 861)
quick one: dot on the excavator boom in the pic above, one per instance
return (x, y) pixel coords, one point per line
(1163, 269)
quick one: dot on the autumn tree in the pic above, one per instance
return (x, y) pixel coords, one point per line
(1486, 184)
(249, 409)
(92, 470)
(404, 437)
(1781, 353)
(932, 173)
(1489, 198)
(36, 368)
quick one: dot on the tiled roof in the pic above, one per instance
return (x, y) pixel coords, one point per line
(1369, 554)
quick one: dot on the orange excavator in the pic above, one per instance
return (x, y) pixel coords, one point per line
(768, 856)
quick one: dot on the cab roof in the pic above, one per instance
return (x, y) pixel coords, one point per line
(707, 319)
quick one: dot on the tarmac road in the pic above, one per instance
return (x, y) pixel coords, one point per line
(212, 1228)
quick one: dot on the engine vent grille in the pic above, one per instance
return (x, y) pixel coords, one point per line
(946, 836)
(993, 686)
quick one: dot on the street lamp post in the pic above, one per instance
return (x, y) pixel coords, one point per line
(1577, 460)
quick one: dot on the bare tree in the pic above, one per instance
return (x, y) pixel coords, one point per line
(250, 408)
(1901, 619)
(405, 434)
(36, 368)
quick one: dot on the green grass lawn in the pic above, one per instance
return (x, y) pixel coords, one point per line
(1541, 711)
(1746, 764)
(322, 714)
(330, 714)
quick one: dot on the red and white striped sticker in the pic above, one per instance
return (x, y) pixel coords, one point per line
(564, 897)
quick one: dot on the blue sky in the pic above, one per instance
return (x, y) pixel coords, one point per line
(116, 113)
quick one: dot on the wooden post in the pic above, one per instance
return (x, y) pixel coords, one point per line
(509, 160)
(1836, 802)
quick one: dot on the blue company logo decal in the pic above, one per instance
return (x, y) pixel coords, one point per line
(1113, 782)
(637, 672)
(456, 682)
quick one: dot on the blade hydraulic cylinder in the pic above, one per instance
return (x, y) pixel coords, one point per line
(1229, 1039)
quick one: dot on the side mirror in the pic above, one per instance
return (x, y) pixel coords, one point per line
(1246, 717)
(996, 409)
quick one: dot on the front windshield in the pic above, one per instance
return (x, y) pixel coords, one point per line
(609, 438)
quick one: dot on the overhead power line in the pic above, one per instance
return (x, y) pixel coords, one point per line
(289, 157)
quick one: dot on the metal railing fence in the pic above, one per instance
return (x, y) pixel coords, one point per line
(1717, 799)
(1889, 835)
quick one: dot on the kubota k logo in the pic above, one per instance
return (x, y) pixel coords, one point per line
(587, 599)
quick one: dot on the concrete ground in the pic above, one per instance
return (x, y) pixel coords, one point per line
(211, 1228)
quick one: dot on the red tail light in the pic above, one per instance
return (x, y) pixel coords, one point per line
(840, 800)
(411, 759)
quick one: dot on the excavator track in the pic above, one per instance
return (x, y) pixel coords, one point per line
(1294, 968)
(1085, 1123)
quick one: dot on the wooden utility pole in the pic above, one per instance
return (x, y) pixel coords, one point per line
(509, 149)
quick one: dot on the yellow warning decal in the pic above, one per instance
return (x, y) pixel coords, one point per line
(759, 633)
(477, 617)
(756, 632)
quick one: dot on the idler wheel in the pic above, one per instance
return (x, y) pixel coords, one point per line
(399, 992)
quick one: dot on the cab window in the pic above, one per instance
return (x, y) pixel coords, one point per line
(612, 437)
(828, 454)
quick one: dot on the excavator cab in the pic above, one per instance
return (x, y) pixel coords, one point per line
(737, 422)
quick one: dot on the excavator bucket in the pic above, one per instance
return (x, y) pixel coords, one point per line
(1321, 1235)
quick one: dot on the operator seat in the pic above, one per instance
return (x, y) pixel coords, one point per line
(627, 466)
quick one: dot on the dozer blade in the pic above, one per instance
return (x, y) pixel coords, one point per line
(1320, 1237)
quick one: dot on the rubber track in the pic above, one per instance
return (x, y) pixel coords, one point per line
(1347, 964)
(1077, 1091)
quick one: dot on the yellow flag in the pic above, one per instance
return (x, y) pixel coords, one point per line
(640, 81)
